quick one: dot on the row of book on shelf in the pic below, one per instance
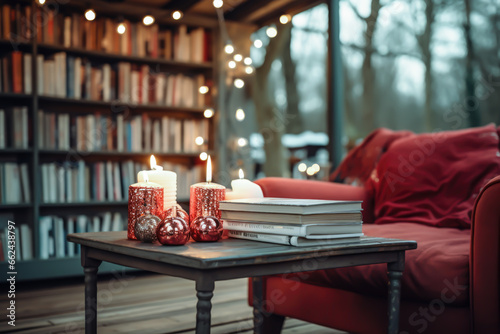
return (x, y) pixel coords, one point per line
(69, 182)
(67, 76)
(14, 128)
(72, 30)
(295, 222)
(14, 183)
(96, 132)
(52, 232)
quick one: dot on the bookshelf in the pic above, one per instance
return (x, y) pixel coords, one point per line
(33, 205)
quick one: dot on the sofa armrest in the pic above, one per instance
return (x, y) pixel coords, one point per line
(485, 259)
(294, 188)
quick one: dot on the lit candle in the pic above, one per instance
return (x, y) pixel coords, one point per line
(166, 179)
(243, 188)
(205, 196)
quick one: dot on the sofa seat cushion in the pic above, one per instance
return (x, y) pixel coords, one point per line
(437, 269)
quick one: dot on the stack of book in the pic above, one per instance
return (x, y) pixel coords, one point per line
(295, 222)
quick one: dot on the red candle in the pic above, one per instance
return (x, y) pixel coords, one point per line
(142, 197)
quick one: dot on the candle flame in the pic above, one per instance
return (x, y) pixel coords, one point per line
(153, 163)
(240, 173)
(209, 169)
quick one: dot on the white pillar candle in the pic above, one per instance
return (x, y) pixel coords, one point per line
(243, 188)
(166, 179)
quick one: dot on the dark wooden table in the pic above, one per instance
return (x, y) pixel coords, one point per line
(206, 263)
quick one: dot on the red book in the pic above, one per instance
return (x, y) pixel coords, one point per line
(50, 28)
(17, 72)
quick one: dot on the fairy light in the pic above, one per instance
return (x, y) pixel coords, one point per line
(199, 141)
(177, 15)
(238, 57)
(148, 20)
(240, 114)
(203, 90)
(249, 70)
(121, 29)
(310, 171)
(257, 43)
(271, 32)
(242, 142)
(302, 167)
(316, 167)
(229, 48)
(90, 15)
(208, 113)
(284, 19)
(218, 3)
(247, 61)
(41, 2)
(203, 156)
(231, 64)
(238, 83)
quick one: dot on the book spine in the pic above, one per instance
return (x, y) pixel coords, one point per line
(275, 239)
(265, 228)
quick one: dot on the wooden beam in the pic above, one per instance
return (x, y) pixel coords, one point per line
(291, 8)
(182, 5)
(242, 11)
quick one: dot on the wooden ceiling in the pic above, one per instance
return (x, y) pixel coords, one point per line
(254, 12)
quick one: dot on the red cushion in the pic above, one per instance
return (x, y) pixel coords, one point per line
(361, 160)
(433, 179)
(438, 268)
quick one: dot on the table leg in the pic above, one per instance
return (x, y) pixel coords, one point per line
(263, 322)
(204, 292)
(90, 267)
(394, 274)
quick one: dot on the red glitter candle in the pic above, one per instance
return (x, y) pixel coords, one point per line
(142, 197)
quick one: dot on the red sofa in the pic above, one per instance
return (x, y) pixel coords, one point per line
(449, 205)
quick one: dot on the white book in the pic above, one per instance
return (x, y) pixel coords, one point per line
(25, 182)
(106, 82)
(26, 242)
(96, 224)
(309, 231)
(40, 74)
(45, 225)
(78, 78)
(68, 182)
(81, 181)
(116, 181)
(45, 183)
(2, 128)
(61, 184)
(12, 183)
(290, 205)
(178, 93)
(120, 137)
(90, 135)
(28, 87)
(293, 240)
(117, 222)
(145, 84)
(70, 228)
(156, 136)
(109, 181)
(81, 224)
(147, 134)
(160, 88)
(52, 246)
(164, 134)
(169, 96)
(59, 237)
(106, 222)
(178, 138)
(53, 189)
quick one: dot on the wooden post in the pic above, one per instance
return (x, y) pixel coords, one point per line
(90, 267)
(394, 274)
(204, 292)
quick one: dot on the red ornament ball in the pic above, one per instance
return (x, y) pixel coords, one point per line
(173, 231)
(179, 213)
(207, 228)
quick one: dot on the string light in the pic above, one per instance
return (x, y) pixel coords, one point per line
(257, 43)
(177, 15)
(90, 15)
(203, 156)
(247, 61)
(41, 2)
(199, 141)
(218, 3)
(208, 113)
(240, 114)
(231, 64)
(284, 19)
(310, 171)
(121, 29)
(271, 32)
(148, 20)
(249, 69)
(203, 90)
(238, 83)
(316, 167)
(238, 57)
(229, 48)
(302, 167)
(242, 142)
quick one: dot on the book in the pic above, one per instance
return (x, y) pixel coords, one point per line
(294, 240)
(343, 217)
(290, 205)
(311, 231)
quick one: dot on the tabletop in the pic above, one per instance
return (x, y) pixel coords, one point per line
(230, 252)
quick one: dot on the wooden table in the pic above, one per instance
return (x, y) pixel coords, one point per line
(206, 263)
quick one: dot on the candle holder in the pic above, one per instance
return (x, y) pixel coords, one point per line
(142, 197)
(204, 199)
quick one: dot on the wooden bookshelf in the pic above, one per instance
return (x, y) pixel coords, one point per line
(36, 154)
